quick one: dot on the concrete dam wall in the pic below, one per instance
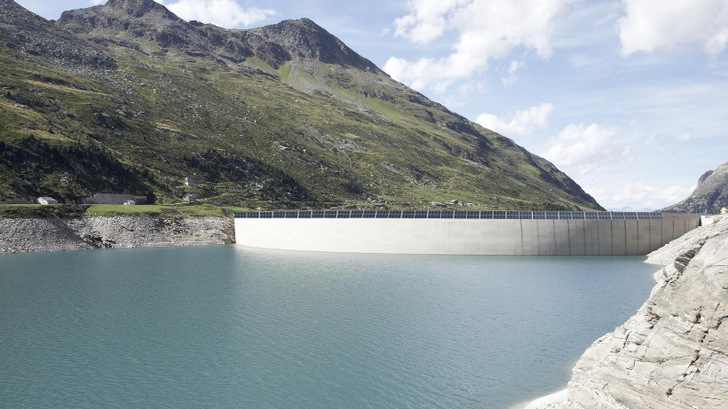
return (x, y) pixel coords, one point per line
(463, 232)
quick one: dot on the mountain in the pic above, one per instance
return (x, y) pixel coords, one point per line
(709, 196)
(126, 97)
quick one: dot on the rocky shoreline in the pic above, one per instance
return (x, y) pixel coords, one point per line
(673, 353)
(22, 235)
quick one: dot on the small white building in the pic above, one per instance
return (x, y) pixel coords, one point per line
(47, 200)
(130, 203)
(190, 181)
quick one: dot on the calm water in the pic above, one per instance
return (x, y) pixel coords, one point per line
(226, 327)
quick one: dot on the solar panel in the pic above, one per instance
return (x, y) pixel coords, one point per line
(450, 214)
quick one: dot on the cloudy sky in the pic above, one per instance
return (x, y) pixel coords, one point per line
(628, 97)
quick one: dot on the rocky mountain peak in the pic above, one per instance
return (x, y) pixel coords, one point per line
(703, 178)
(710, 194)
(306, 39)
(124, 15)
(139, 8)
(275, 44)
(41, 40)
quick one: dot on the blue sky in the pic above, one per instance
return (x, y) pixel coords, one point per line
(628, 97)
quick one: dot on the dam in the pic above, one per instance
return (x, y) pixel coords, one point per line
(463, 232)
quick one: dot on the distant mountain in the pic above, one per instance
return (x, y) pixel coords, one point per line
(126, 97)
(709, 196)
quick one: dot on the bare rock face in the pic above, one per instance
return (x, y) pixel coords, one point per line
(149, 20)
(30, 235)
(710, 194)
(53, 234)
(674, 352)
(149, 231)
(41, 40)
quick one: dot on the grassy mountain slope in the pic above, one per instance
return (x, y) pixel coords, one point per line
(709, 196)
(134, 99)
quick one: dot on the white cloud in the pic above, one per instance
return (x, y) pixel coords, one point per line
(640, 196)
(684, 137)
(652, 25)
(521, 123)
(428, 19)
(582, 149)
(224, 13)
(512, 78)
(97, 2)
(486, 29)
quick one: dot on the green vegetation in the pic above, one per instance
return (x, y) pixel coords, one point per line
(167, 212)
(255, 127)
(76, 211)
(41, 211)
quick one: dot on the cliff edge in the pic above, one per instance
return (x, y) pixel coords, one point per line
(57, 234)
(673, 352)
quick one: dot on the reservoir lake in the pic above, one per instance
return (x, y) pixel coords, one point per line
(234, 327)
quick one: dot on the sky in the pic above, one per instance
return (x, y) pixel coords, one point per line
(627, 97)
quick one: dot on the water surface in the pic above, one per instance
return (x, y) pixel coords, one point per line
(228, 327)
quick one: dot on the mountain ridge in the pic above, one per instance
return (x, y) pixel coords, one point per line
(278, 116)
(709, 196)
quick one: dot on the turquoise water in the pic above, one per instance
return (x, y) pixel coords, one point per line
(227, 327)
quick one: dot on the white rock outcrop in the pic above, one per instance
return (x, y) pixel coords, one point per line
(54, 234)
(673, 352)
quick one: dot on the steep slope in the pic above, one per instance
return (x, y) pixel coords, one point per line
(279, 116)
(709, 196)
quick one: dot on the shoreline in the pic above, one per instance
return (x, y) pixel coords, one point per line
(544, 401)
(650, 361)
